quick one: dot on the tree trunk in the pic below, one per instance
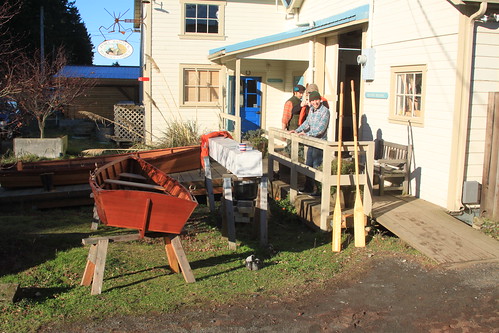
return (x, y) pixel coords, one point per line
(41, 127)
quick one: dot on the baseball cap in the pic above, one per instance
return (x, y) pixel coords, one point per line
(299, 88)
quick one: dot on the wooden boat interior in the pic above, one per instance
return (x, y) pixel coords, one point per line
(134, 174)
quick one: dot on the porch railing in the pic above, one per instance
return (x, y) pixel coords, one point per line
(324, 176)
(236, 131)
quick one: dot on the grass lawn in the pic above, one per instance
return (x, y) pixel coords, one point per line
(42, 252)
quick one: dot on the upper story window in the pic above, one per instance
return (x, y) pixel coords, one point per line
(203, 19)
(408, 94)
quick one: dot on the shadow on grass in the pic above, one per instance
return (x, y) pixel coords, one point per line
(21, 251)
(40, 295)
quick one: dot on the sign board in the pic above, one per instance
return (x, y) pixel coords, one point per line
(379, 95)
(115, 49)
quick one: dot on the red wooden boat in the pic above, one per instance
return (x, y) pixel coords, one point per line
(75, 171)
(131, 193)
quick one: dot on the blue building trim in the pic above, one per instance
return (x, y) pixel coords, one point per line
(356, 14)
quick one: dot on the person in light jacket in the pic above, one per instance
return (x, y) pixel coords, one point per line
(316, 126)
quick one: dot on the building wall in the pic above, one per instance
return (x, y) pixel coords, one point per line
(405, 32)
(315, 10)
(101, 98)
(243, 21)
(485, 80)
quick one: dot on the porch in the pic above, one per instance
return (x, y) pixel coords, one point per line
(425, 226)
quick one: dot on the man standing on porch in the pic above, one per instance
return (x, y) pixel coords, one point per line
(292, 109)
(315, 126)
(305, 104)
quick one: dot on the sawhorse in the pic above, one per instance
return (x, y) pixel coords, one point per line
(96, 261)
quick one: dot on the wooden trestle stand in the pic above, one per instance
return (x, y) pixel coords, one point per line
(96, 261)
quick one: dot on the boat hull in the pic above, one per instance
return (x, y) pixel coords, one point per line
(76, 171)
(127, 209)
(121, 203)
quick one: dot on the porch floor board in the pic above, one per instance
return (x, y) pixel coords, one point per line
(432, 231)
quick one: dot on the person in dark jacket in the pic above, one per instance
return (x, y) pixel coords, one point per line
(292, 109)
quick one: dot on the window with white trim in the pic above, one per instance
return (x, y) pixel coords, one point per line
(201, 86)
(407, 93)
(203, 19)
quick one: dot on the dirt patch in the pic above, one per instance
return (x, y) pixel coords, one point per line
(380, 294)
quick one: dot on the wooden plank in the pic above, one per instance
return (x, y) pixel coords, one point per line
(430, 230)
(116, 238)
(170, 255)
(490, 178)
(100, 264)
(8, 292)
(209, 184)
(88, 274)
(133, 184)
(229, 211)
(262, 207)
(182, 259)
(132, 175)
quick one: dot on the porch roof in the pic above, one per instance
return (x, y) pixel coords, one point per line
(352, 15)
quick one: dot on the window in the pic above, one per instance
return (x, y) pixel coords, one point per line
(203, 19)
(201, 86)
(407, 101)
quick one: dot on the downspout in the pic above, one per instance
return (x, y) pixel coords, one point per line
(462, 110)
(148, 73)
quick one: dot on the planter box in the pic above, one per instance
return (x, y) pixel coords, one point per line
(47, 147)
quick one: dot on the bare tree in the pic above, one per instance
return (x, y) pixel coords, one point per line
(44, 89)
(8, 49)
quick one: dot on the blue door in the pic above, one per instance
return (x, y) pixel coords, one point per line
(251, 103)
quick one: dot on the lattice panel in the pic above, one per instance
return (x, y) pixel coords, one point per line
(131, 117)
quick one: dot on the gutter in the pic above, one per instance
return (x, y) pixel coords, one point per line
(461, 112)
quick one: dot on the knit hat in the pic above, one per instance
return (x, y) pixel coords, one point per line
(312, 87)
(299, 88)
(314, 95)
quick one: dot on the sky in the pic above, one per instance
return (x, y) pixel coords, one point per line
(94, 15)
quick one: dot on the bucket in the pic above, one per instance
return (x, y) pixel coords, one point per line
(245, 189)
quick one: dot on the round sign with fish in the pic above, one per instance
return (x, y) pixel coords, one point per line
(115, 49)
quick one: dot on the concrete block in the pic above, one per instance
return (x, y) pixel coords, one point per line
(46, 147)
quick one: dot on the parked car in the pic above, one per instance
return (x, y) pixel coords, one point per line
(10, 119)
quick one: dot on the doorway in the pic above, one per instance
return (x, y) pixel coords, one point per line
(251, 103)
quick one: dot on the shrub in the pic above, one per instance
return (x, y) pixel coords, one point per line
(257, 139)
(180, 133)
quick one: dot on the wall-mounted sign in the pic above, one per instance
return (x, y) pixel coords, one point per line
(380, 95)
(115, 49)
(274, 80)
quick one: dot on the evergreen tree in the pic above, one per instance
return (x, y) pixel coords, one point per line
(63, 27)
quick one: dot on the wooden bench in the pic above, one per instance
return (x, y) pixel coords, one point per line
(132, 176)
(134, 184)
(395, 163)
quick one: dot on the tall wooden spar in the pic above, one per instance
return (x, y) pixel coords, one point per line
(336, 241)
(358, 211)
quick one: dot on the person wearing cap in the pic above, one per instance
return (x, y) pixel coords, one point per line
(305, 105)
(292, 109)
(315, 126)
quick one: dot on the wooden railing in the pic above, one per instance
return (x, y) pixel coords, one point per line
(236, 132)
(324, 176)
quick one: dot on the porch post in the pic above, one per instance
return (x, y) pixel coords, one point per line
(237, 100)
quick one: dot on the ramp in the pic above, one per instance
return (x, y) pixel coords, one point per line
(429, 229)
